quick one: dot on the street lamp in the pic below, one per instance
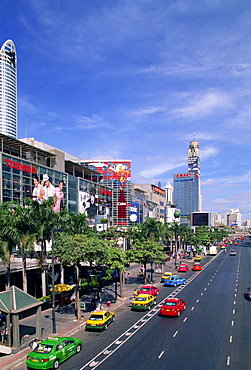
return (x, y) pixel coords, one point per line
(54, 331)
(176, 216)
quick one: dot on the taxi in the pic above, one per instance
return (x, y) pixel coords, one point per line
(172, 307)
(197, 258)
(166, 275)
(51, 352)
(99, 320)
(148, 289)
(174, 281)
(197, 267)
(183, 267)
(143, 302)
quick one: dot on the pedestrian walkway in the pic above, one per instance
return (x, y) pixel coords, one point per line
(65, 317)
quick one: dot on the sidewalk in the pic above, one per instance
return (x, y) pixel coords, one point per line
(66, 323)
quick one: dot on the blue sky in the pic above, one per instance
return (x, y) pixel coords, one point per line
(134, 79)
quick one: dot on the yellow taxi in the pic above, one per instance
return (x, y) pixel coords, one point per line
(143, 302)
(166, 275)
(197, 258)
(99, 320)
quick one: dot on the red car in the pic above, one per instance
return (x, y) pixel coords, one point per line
(183, 267)
(236, 243)
(149, 289)
(172, 307)
(197, 267)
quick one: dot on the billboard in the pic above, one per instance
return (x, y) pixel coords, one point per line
(200, 218)
(134, 212)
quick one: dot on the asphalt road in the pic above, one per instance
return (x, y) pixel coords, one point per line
(212, 334)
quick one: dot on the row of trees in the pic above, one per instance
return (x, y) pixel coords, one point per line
(24, 226)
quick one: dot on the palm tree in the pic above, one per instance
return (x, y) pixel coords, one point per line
(9, 236)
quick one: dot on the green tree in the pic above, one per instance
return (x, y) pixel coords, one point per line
(117, 260)
(146, 251)
(9, 236)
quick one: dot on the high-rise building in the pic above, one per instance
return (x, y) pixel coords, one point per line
(185, 193)
(194, 166)
(186, 186)
(8, 89)
(217, 219)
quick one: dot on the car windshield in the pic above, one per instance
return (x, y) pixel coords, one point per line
(173, 278)
(96, 317)
(145, 289)
(142, 299)
(170, 304)
(43, 348)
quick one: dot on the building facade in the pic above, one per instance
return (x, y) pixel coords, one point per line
(21, 162)
(115, 174)
(8, 89)
(185, 194)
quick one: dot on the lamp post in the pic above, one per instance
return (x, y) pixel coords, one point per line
(54, 331)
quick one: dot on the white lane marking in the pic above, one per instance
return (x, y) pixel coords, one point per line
(185, 319)
(192, 308)
(228, 361)
(234, 302)
(233, 311)
(94, 364)
(175, 334)
(201, 293)
(161, 354)
(197, 300)
(205, 288)
(230, 339)
(232, 323)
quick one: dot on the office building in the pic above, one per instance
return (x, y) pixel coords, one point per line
(8, 89)
(217, 219)
(186, 194)
(233, 218)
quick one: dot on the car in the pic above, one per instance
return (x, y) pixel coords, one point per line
(172, 307)
(99, 320)
(249, 293)
(232, 252)
(143, 302)
(197, 258)
(165, 276)
(149, 289)
(183, 267)
(235, 243)
(174, 281)
(197, 267)
(52, 351)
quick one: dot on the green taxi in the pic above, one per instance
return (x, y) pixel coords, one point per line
(143, 302)
(52, 351)
(99, 320)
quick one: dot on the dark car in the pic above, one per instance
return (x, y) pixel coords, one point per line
(249, 293)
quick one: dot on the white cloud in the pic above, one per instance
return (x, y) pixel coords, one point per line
(159, 169)
(203, 105)
(208, 152)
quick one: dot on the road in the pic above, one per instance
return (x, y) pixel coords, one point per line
(212, 334)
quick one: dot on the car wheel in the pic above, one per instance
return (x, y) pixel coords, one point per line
(113, 318)
(184, 308)
(105, 328)
(78, 348)
(178, 313)
(56, 364)
(155, 302)
(175, 284)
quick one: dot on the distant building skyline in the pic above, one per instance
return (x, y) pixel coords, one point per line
(8, 89)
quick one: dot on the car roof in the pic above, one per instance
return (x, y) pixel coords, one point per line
(147, 286)
(143, 295)
(172, 299)
(53, 340)
(99, 312)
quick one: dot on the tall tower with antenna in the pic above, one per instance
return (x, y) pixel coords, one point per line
(194, 165)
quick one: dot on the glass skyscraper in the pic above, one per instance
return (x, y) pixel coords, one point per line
(8, 89)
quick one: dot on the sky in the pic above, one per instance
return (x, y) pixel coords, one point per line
(139, 79)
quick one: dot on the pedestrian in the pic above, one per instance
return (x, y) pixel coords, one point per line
(34, 344)
(3, 332)
(129, 278)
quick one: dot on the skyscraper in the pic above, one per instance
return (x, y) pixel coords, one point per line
(194, 166)
(8, 89)
(186, 186)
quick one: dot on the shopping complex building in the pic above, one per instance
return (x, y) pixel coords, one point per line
(101, 189)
